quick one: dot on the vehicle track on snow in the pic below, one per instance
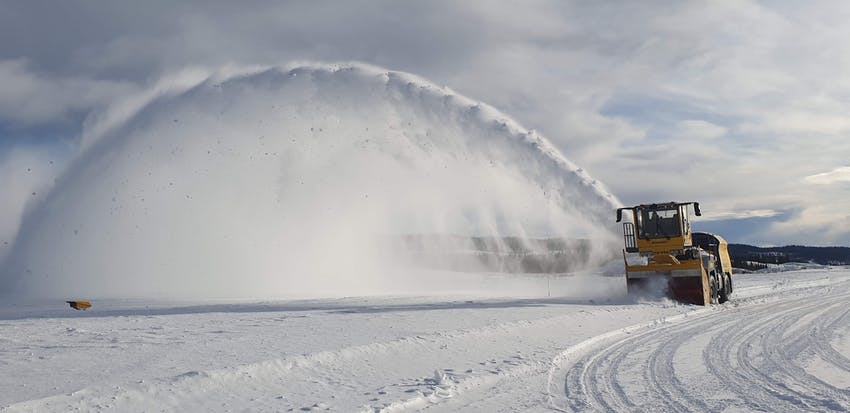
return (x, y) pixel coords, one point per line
(756, 359)
(822, 337)
(751, 354)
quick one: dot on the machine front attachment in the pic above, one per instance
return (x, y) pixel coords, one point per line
(689, 289)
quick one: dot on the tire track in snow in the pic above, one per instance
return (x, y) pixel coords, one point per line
(660, 367)
(751, 353)
(798, 346)
(581, 392)
(821, 341)
(730, 344)
(747, 360)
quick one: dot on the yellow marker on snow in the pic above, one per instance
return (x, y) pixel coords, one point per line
(79, 305)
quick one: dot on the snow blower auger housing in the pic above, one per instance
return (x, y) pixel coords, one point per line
(660, 248)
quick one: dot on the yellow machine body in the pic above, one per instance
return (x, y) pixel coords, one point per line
(79, 305)
(692, 267)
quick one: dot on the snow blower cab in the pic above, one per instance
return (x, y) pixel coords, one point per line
(661, 251)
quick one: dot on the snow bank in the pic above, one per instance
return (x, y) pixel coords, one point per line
(288, 181)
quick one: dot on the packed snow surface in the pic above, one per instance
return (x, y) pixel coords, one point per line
(781, 344)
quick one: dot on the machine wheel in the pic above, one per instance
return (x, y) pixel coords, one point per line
(714, 294)
(729, 278)
(725, 291)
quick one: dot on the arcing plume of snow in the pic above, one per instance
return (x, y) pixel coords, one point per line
(27, 176)
(291, 181)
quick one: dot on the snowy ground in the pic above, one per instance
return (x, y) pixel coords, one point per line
(782, 344)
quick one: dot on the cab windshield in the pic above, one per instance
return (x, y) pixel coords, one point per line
(659, 223)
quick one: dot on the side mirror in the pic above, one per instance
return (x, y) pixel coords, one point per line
(696, 209)
(619, 214)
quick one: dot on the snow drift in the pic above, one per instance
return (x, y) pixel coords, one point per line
(289, 181)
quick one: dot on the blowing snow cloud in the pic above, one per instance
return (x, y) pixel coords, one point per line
(289, 181)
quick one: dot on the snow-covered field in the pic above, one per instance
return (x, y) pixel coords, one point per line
(782, 344)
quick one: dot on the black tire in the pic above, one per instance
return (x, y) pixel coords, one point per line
(724, 292)
(713, 295)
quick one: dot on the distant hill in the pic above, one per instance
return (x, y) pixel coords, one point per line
(755, 258)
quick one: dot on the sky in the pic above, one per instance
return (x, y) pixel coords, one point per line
(740, 105)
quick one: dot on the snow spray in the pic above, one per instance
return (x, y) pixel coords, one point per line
(292, 181)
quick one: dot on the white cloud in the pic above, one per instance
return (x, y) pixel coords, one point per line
(841, 174)
(699, 129)
(815, 224)
(28, 97)
(743, 214)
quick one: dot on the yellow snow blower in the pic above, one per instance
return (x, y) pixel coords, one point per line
(660, 249)
(79, 305)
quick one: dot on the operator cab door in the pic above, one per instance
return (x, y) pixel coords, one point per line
(685, 213)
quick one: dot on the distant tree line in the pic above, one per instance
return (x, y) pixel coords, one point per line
(755, 258)
(747, 264)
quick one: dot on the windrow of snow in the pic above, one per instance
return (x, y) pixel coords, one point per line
(291, 181)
